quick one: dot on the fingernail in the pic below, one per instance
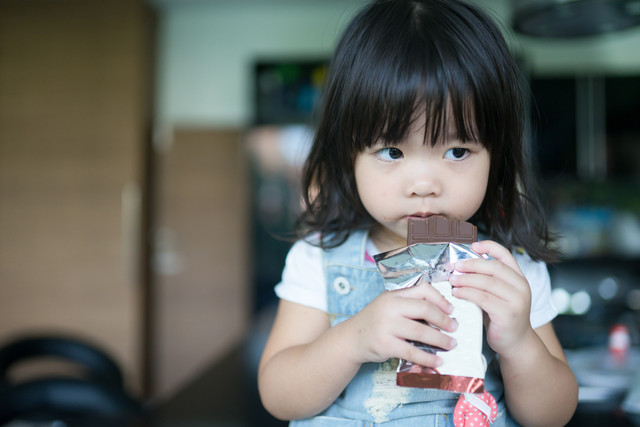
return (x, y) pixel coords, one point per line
(454, 324)
(453, 342)
(438, 361)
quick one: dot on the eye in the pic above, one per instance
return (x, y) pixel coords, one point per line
(389, 154)
(456, 153)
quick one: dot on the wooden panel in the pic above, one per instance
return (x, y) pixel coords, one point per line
(72, 119)
(202, 262)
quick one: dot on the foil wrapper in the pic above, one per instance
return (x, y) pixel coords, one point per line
(464, 366)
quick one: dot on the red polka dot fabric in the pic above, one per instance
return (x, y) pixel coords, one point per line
(475, 410)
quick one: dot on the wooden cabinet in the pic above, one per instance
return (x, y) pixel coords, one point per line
(74, 114)
(202, 266)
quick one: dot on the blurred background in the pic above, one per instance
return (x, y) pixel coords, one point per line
(149, 157)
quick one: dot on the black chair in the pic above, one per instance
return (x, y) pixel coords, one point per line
(97, 398)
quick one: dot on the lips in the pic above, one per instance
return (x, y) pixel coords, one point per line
(420, 215)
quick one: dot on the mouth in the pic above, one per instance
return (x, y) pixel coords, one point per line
(420, 215)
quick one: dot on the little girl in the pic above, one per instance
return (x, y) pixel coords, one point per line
(422, 114)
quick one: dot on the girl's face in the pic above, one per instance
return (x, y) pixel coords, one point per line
(414, 179)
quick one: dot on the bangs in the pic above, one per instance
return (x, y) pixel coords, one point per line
(421, 85)
(443, 102)
(413, 64)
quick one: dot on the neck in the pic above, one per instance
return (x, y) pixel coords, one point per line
(386, 240)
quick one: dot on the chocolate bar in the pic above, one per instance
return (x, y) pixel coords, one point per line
(439, 229)
(434, 245)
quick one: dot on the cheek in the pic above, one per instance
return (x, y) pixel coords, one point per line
(475, 188)
(482, 175)
(362, 186)
(373, 194)
(370, 194)
(479, 187)
(480, 192)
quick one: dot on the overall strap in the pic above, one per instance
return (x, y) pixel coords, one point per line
(351, 252)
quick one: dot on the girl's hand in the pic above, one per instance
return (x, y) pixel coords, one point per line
(500, 289)
(383, 328)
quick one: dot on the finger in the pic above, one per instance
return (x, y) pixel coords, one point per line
(410, 352)
(490, 268)
(482, 283)
(420, 332)
(497, 251)
(427, 292)
(488, 302)
(505, 303)
(416, 309)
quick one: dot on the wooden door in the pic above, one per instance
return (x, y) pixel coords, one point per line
(73, 116)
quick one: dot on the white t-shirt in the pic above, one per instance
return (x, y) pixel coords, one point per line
(303, 281)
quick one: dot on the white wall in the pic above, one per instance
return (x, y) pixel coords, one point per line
(206, 49)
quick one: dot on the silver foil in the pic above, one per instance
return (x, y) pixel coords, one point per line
(404, 267)
(464, 366)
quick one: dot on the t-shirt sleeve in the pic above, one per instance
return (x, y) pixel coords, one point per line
(537, 274)
(303, 277)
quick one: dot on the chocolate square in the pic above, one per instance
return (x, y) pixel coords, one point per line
(439, 229)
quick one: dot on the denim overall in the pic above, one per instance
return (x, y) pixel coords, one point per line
(372, 398)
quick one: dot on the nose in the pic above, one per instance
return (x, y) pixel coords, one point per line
(424, 181)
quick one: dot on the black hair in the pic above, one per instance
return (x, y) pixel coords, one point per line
(446, 60)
